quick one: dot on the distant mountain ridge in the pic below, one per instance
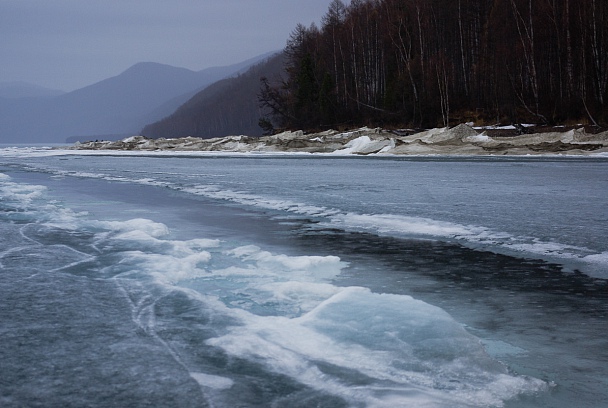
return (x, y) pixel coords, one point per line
(118, 105)
(20, 89)
(227, 107)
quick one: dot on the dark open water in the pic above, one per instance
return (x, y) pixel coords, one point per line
(302, 281)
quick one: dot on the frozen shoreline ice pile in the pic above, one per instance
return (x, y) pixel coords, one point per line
(459, 140)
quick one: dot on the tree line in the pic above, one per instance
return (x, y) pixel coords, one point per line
(425, 63)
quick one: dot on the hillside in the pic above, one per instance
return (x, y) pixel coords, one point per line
(227, 107)
(115, 106)
(426, 63)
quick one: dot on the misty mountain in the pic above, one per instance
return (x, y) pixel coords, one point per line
(227, 107)
(115, 106)
(20, 89)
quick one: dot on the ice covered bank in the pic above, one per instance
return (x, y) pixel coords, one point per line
(459, 140)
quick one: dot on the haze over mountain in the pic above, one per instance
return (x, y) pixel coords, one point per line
(111, 108)
(227, 107)
(20, 89)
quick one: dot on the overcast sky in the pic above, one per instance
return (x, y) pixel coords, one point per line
(68, 44)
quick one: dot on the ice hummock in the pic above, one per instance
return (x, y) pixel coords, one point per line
(279, 311)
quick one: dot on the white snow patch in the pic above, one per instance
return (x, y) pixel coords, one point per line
(481, 138)
(148, 227)
(355, 145)
(212, 381)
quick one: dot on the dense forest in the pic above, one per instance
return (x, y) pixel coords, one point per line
(434, 62)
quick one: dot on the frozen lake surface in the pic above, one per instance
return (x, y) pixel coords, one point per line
(298, 281)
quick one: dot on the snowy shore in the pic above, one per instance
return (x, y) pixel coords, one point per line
(459, 140)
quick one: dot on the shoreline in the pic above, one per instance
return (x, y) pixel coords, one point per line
(461, 140)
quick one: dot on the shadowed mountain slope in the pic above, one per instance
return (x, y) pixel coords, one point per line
(227, 107)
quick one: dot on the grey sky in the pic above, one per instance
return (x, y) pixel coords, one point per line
(68, 44)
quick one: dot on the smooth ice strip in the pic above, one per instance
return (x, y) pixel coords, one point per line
(385, 224)
(400, 225)
(418, 227)
(499, 348)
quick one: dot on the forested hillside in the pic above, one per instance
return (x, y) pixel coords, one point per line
(435, 62)
(227, 107)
